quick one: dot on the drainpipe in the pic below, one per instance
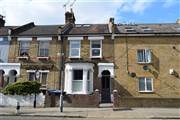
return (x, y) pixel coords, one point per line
(127, 56)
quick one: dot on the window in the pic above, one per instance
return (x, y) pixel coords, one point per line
(144, 56)
(96, 48)
(43, 49)
(145, 84)
(42, 79)
(88, 81)
(75, 48)
(77, 82)
(31, 76)
(24, 48)
(0, 57)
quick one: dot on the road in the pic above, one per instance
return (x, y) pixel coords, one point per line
(57, 118)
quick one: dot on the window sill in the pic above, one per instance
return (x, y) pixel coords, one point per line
(42, 58)
(146, 91)
(142, 63)
(23, 57)
(94, 57)
(74, 57)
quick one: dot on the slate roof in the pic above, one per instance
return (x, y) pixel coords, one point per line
(148, 28)
(39, 30)
(85, 29)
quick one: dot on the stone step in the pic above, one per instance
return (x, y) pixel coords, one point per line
(106, 105)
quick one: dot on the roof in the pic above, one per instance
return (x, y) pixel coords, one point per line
(85, 29)
(90, 29)
(39, 30)
(147, 28)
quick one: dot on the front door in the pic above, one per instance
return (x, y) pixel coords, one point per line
(105, 82)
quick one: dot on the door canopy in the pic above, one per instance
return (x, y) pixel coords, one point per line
(106, 66)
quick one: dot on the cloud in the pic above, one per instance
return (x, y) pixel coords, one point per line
(20, 12)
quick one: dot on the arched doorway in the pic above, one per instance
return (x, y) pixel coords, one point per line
(1, 78)
(12, 76)
(105, 84)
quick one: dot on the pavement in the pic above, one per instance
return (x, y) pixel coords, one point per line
(69, 112)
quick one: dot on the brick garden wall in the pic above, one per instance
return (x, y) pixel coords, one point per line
(144, 101)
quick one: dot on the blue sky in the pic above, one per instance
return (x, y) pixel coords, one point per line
(20, 12)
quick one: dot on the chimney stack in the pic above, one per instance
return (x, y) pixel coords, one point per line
(2, 21)
(111, 25)
(69, 17)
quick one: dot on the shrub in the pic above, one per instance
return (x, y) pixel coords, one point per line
(22, 88)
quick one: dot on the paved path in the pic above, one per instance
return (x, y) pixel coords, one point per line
(134, 113)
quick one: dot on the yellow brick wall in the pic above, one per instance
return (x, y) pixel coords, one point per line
(54, 48)
(164, 58)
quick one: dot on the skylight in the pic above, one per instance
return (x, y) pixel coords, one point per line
(147, 29)
(130, 29)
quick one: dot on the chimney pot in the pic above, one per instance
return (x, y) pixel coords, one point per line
(2, 21)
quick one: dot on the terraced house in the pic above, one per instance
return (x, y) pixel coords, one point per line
(131, 65)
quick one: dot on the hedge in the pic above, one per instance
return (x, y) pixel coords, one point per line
(22, 88)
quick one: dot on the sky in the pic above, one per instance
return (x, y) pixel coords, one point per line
(49, 12)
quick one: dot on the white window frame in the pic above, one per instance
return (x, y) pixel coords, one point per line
(70, 44)
(20, 47)
(69, 67)
(91, 56)
(40, 79)
(145, 81)
(39, 48)
(145, 52)
(77, 81)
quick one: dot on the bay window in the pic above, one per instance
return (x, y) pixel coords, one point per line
(78, 78)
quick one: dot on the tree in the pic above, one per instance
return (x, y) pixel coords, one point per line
(22, 88)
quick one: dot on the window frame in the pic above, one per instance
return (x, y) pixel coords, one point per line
(39, 48)
(77, 81)
(21, 48)
(145, 81)
(40, 78)
(145, 60)
(91, 49)
(79, 49)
